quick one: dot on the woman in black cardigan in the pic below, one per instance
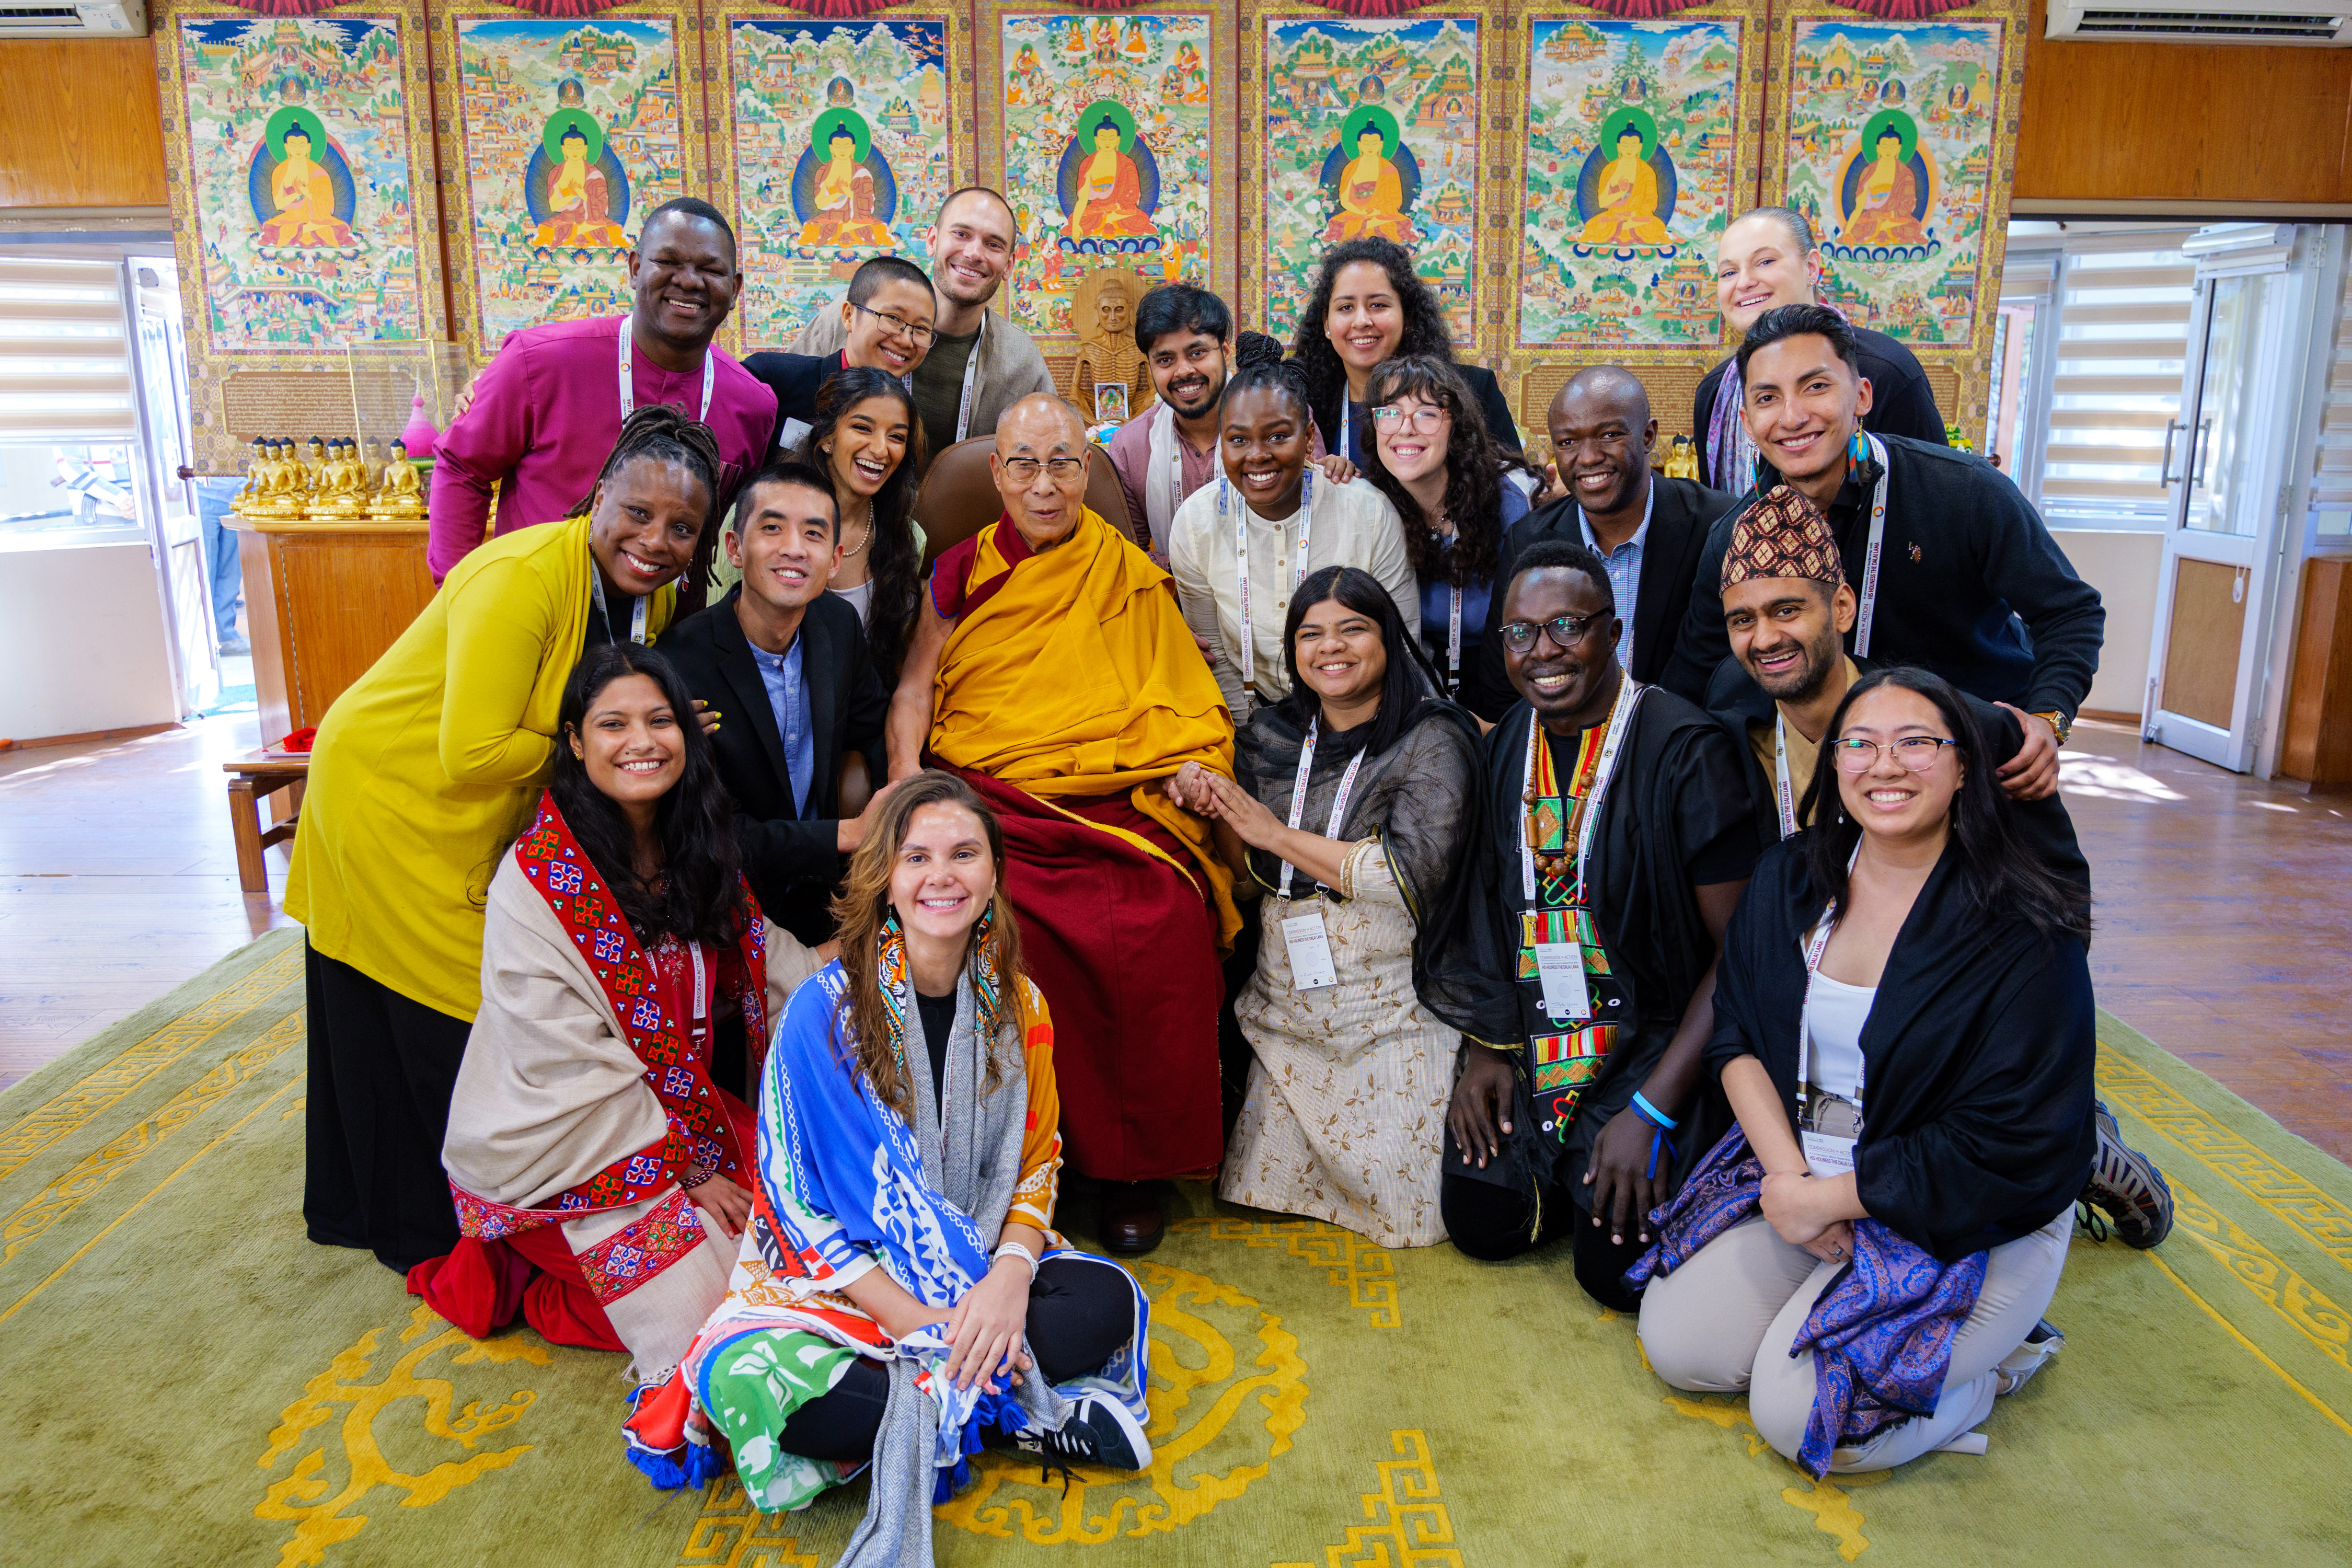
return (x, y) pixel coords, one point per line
(1941, 1126)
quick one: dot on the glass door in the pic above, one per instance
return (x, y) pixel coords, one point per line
(2224, 476)
(159, 354)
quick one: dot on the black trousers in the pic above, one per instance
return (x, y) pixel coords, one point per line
(1078, 1314)
(1492, 1223)
(382, 1067)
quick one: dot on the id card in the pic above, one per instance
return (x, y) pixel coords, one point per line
(1310, 951)
(1560, 966)
(1827, 1154)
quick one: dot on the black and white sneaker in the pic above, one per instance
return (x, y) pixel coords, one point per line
(1100, 1431)
(2126, 1185)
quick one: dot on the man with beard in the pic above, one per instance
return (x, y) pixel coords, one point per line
(1621, 836)
(540, 419)
(1952, 570)
(1786, 608)
(1647, 529)
(978, 366)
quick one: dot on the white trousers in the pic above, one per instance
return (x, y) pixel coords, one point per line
(1724, 1321)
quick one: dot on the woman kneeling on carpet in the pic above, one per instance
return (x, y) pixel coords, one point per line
(624, 980)
(1904, 1027)
(901, 1276)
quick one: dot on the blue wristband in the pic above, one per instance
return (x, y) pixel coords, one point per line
(1658, 1140)
(1652, 1114)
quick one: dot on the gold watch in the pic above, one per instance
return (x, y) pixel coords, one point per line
(2060, 725)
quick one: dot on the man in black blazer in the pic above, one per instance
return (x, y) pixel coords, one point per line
(784, 665)
(1647, 529)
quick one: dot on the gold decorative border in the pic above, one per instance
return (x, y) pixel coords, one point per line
(686, 17)
(1970, 367)
(217, 447)
(715, 97)
(1411, 1527)
(1531, 375)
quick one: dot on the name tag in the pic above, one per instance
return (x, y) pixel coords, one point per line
(1827, 1154)
(1560, 966)
(790, 436)
(1310, 951)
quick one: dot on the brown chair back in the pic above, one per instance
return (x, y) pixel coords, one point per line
(957, 497)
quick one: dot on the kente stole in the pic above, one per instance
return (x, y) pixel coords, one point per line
(1563, 1057)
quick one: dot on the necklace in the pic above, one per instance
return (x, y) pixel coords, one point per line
(864, 538)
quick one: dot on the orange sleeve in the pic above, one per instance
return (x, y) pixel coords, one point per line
(1041, 1141)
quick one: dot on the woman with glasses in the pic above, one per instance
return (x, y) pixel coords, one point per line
(1239, 548)
(1903, 1031)
(1356, 814)
(869, 442)
(1455, 490)
(887, 325)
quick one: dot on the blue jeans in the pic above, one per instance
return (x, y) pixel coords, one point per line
(221, 571)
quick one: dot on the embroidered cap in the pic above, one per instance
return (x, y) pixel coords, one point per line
(1783, 534)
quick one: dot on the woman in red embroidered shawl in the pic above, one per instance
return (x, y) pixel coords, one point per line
(598, 1147)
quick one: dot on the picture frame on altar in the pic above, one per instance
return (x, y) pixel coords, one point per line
(298, 156)
(1318, 87)
(1112, 137)
(557, 136)
(890, 92)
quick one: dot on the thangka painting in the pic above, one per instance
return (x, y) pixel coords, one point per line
(1113, 151)
(836, 148)
(561, 135)
(1634, 165)
(1372, 129)
(1896, 154)
(302, 179)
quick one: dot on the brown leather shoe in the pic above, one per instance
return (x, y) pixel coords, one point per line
(1131, 1221)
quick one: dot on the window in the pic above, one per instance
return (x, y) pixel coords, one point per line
(2116, 365)
(69, 411)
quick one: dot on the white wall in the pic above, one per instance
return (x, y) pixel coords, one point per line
(81, 628)
(2124, 568)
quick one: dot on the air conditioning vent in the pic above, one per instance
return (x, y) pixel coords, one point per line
(2264, 21)
(96, 19)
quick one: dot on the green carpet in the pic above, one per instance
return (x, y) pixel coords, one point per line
(193, 1382)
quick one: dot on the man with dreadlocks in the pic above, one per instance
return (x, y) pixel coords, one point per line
(424, 768)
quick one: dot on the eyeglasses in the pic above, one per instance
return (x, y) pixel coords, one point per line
(917, 335)
(1565, 631)
(1023, 470)
(1422, 421)
(1917, 753)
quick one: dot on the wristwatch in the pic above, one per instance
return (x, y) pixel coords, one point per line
(2060, 725)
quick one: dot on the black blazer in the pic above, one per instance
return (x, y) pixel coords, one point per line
(1679, 522)
(1485, 391)
(795, 379)
(789, 859)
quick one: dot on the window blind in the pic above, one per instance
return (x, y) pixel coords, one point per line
(64, 362)
(2120, 350)
(2331, 487)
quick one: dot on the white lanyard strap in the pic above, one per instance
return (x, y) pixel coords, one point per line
(1175, 466)
(971, 369)
(1621, 723)
(1241, 563)
(1453, 642)
(1870, 558)
(1298, 794)
(1780, 791)
(694, 952)
(1347, 422)
(629, 381)
(1814, 951)
(636, 615)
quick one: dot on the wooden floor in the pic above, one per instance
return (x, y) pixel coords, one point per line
(2223, 917)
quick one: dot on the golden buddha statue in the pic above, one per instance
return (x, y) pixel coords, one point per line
(1109, 380)
(1680, 460)
(256, 474)
(401, 496)
(283, 493)
(342, 490)
(314, 464)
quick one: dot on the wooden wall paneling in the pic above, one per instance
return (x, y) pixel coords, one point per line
(1576, 282)
(771, 75)
(1930, 277)
(2316, 746)
(1170, 66)
(348, 284)
(82, 123)
(1305, 70)
(2110, 121)
(504, 78)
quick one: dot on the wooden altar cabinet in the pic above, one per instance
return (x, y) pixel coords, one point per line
(324, 600)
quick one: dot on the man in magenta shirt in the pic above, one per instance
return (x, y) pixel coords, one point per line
(545, 413)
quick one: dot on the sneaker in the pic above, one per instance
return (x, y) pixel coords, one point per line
(2019, 1365)
(1100, 1431)
(2126, 1184)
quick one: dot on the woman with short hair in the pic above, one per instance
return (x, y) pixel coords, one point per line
(1904, 1027)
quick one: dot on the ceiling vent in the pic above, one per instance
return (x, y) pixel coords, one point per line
(102, 19)
(2267, 22)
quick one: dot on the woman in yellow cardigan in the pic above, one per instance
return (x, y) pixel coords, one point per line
(422, 771)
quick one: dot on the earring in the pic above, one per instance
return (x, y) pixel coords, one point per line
(1857, 449)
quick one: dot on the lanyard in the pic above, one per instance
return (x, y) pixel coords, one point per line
(1175, 468)
(1453, 642)
(1298, 793)
(1780, 791)
(1621, 723)
(1347, 422)
(636, 615)
(971, 368)
(1241, 563)
(1814, 951)
(1870, 560)
(629, 380)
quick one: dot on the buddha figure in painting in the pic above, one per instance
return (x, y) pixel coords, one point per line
(1109, 198)
(844, 190)
(1886, 197)
(1370, 193)
(579, 198)
(303, 193)
(1626, 197)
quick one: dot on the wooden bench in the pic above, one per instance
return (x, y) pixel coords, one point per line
(254, 778)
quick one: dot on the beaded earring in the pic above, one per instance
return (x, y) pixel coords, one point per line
(1857, 449)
